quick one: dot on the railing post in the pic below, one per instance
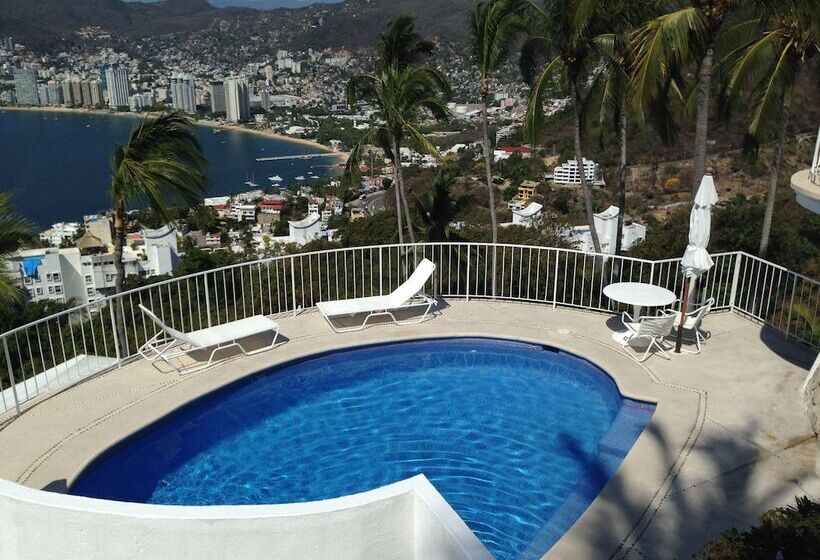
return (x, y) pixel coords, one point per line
(467, 288)
(791, 306)
(207, 300)
(293, 282)
(114, 330)
(495, 253)
(735, 280)
(11, 376)
(555, 283)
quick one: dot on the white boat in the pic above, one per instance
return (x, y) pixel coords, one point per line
(275, 179)
(300, 178)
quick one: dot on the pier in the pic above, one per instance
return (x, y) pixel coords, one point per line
(298, 156)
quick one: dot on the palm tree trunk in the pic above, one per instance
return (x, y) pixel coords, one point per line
(404, 204)
(773, 177)
(576, 109)
(488, 162)
(702, 119)
(622, 174)
(119, 243)
(397, 191)
(119, 286)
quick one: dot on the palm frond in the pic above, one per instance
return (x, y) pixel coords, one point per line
(534, 119)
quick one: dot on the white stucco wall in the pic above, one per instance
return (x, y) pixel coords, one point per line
(407, 520)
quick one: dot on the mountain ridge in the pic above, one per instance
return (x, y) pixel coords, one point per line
(353, 23)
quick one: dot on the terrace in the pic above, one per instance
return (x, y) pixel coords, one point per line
(729, 427)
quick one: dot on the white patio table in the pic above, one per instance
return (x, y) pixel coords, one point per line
(639, 295)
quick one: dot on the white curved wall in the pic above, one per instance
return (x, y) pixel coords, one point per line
(407, 520)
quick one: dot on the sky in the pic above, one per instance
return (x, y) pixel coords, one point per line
(260, 4)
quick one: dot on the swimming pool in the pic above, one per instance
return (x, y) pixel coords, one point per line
(518, 438)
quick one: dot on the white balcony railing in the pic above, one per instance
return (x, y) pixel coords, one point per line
(58, 351)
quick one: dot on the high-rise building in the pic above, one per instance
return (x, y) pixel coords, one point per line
(183, 93)
(25, 86)
(77, 92)
(85, 88)
(264, 99)
(217, 91)
(55, 93)
(118, 86)
(8, 44)
(68, 100)
(237, 99)
(97, 97)
(42, 95)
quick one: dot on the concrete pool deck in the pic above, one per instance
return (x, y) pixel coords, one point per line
(729, 438)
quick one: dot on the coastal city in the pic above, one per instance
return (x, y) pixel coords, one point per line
(409, 279)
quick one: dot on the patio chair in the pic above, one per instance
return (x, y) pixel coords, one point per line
(170, 343)
(692, 331)
(646, 333)
(407, 296)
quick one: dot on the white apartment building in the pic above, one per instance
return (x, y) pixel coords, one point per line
(243, 212)
(237, 99)
(116, 79)
(567, 173)
(606, 224)
(183, 93)
(306, 230)
(67, 274)
(59, 232)
(528, 216)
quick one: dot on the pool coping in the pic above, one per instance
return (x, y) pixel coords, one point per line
(679, 412)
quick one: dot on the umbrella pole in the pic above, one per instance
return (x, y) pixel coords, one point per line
(684, 301)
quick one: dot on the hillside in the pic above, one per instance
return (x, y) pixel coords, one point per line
(353, 23)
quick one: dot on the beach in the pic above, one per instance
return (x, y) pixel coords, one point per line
(205, 123)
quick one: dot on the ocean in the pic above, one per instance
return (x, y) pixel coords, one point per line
(57, 163)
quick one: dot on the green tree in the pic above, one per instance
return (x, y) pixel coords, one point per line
(162, 158)
(492, 26)
(402, 96)
(440, 207)
(560, 48)
(768, 66)
(400, 45)
(608, 102)
(13, 230)
(664, 45)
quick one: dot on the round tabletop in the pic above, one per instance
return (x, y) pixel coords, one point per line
(637, 293)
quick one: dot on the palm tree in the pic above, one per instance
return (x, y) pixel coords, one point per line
(440, 206)
(402, 96)
(13, 229)
(400, 45)
(492, 26)
(560, 48)
(664, 45)
(609, 99)
(162, 158)
(769, 66)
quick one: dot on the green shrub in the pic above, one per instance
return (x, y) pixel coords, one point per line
(791, 532)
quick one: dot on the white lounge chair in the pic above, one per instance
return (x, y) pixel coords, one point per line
(170, 343)
(407, 296)
(646, 333)
(692, 331)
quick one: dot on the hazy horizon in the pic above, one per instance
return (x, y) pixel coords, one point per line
(259, 4)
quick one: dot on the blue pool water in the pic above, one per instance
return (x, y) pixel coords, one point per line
(519, 439)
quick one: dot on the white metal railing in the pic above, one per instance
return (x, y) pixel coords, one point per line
(58, 351)
(814, 172)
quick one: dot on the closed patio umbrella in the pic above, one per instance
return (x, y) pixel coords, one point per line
(696, 259)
